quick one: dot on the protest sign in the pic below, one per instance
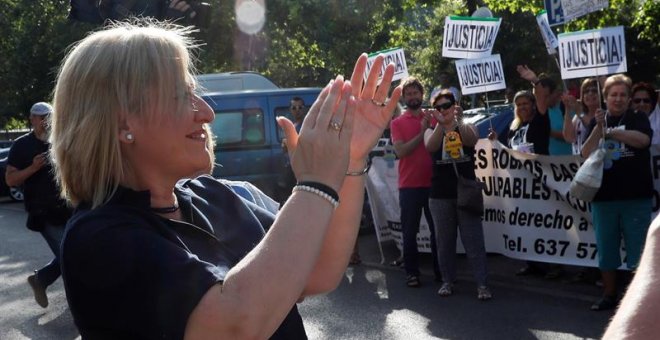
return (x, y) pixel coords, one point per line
(577, 8)
(469, 38)
(549, 37)
(394, 56)
(592, 53)
(555, 12)
(480, 75)
(528, 213)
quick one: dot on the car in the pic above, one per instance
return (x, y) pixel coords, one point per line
(15, 193)
(234, 81)
(498, 117)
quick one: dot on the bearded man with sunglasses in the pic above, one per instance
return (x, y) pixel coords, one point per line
(414, 177)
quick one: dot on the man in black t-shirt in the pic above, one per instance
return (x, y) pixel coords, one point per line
(28, 165)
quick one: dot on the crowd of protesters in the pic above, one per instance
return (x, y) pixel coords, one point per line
(609, 112)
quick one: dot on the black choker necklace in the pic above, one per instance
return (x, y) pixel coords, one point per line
(165, 210)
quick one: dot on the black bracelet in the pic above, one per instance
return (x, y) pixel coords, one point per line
(322, 188)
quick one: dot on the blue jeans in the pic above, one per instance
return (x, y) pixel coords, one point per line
(49, 273)
(412, 202)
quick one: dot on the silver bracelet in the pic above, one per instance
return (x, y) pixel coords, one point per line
(361, 172)
(330, 199)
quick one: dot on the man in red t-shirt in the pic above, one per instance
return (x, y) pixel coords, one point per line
(414, 177)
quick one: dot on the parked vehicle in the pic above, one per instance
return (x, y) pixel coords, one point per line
(234, 81)
(248, 142)
(14, 193)
(497, 116)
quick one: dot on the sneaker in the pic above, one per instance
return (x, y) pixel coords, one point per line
(38, 290)
(605, 303)
(483, 293)
(413, 281)
(446, 289)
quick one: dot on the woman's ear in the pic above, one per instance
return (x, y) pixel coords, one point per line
(124, 130)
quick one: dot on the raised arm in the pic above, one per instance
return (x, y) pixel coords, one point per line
(373, 113)
(570, 121)
(261, 289)
(541, 93)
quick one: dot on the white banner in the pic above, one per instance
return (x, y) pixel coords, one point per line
(480, 75)
(577, 8)
(528, 212)
(469, 38)
(549, 37)
(394, 56)
(592, 53)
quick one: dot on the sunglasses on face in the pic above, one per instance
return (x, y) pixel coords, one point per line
(443, 106)
(294, 107)
(642, 100)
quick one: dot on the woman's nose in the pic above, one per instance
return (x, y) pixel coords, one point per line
(204, 112)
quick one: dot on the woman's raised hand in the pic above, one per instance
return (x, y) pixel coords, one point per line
(374, 110)
(326, 142)
(321, 152)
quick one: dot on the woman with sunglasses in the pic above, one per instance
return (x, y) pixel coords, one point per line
(577, 129)
(451, 144)
(645, 100)
(621, 209)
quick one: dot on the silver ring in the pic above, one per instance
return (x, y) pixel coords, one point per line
(334, 125)
(378, 103)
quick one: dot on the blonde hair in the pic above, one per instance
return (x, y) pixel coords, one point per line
(617, 79)
(517, 120)
(143, 69)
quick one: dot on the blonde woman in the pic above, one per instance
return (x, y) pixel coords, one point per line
(148, 255)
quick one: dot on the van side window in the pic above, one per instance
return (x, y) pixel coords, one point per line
(282, 111)
(239, 127)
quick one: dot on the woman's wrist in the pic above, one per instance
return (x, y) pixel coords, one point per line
(358, 167)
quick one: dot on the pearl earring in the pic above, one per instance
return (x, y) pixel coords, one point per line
(129, 136)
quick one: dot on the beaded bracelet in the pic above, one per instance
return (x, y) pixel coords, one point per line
(319, 189)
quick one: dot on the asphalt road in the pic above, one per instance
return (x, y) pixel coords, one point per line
(371, 303)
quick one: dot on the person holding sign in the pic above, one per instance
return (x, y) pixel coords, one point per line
(451, 144)
(622, 206)
(577, 129)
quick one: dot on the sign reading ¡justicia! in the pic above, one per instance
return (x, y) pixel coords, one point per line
(469, 38)
(592, 53)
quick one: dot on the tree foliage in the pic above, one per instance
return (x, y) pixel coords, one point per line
(306, 42)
